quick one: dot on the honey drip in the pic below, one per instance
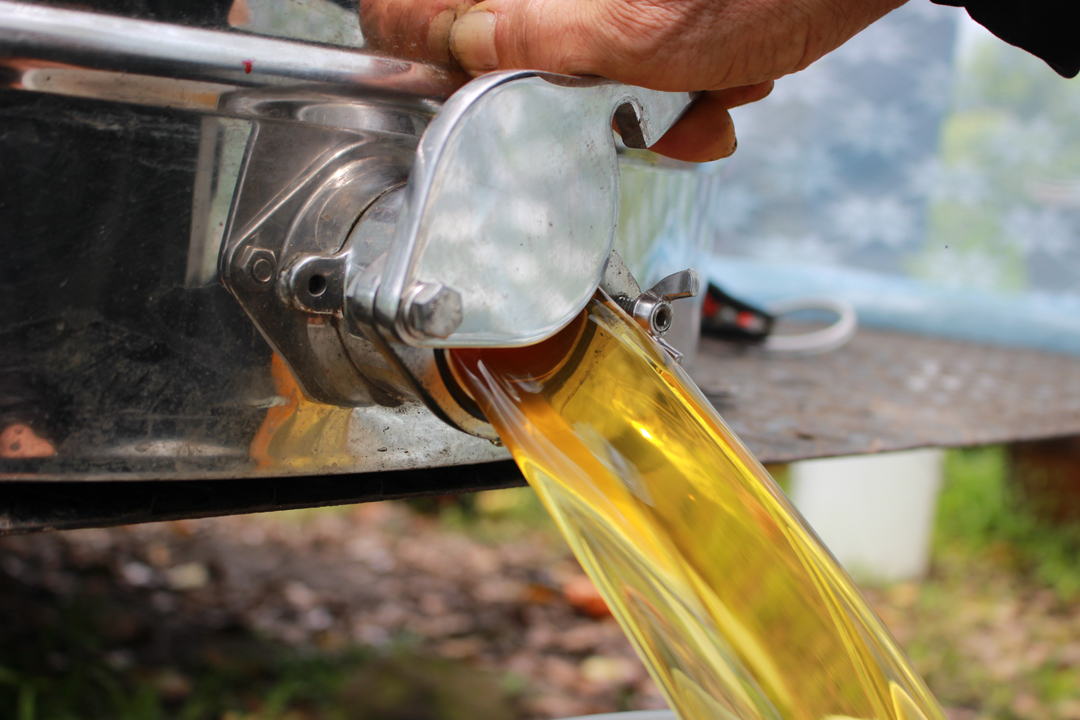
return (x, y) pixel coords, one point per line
(735, 607)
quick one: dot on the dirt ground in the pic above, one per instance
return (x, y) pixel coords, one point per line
(378, 576)
(406, 615)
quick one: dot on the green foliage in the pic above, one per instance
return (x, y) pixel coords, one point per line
(260, 682)
(251, 680)
(257, 680)
(979, 513)
(994, 630)
(78, 661)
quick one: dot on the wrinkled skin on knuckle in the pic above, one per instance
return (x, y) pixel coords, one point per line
(529, 40)
(762, 40)
(649, 42)
(700, 44)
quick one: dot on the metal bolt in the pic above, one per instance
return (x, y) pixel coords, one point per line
(262, 270)
(653, 313)
(433, 310)
(256, 265)
(660, 318)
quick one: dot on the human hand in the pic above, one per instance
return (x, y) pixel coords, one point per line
(731, 49)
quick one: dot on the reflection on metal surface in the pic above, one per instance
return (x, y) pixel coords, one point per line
(300, 434)
(169, 449)
(115, 58)
(373, 440)
(20, 441)
(221, 155)
(120, 86)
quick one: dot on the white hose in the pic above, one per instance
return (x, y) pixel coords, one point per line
(818, 341)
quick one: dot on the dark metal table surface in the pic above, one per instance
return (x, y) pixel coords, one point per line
(887, 391)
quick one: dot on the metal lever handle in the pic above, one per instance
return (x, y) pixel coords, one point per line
(677, 285)
(512, 204)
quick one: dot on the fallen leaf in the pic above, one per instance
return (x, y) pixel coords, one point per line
(580, 592)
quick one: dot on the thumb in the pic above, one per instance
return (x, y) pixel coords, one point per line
(572, 37)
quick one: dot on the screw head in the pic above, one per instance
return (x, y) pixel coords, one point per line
(433, 310)
(661, 318)
(255, 267)
(262, 270)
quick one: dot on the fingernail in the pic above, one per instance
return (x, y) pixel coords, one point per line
(472, 41)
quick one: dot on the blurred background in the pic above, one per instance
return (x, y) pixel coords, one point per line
(927, 173)
(472, 607)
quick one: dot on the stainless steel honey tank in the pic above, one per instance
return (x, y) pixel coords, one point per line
(141, 304)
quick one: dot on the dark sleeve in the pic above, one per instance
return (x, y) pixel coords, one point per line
(1049, 29)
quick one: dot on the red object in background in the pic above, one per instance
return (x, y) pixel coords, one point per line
(711, 306)
(727, 318)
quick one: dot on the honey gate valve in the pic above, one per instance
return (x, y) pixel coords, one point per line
(377, 235)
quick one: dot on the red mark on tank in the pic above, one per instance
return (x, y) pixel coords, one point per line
(247, 66)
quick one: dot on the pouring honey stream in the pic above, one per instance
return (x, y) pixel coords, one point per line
(731, 601)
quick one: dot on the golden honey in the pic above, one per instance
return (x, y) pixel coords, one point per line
(733, 604)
